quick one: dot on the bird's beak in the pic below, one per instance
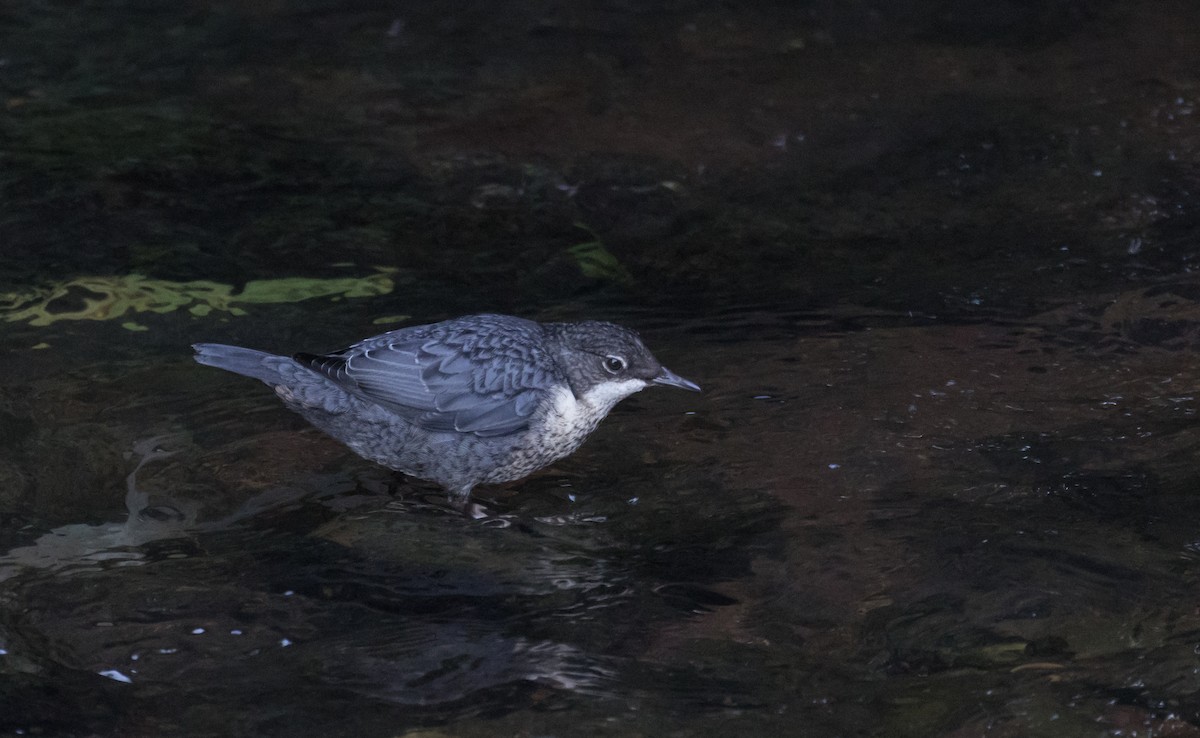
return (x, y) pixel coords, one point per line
(668, 378)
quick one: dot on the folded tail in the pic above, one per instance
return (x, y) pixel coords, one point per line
(251, 363)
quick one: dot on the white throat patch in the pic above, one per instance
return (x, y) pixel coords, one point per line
(603, 396)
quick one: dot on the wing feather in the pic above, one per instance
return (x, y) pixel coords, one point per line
(483, 374)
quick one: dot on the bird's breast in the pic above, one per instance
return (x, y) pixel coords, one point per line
(568, 420)
(564, 415)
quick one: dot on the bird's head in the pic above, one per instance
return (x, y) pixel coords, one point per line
(605, 362)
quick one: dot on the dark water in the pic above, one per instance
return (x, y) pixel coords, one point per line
(932, 263)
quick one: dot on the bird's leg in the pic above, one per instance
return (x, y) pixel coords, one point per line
(460, 499)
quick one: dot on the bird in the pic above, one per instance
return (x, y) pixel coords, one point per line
(480, 399)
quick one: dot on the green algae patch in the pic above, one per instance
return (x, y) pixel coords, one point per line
(108, 298)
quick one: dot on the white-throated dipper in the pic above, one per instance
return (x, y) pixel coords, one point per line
(474, 400)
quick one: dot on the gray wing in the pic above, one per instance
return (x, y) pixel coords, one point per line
(482, 375)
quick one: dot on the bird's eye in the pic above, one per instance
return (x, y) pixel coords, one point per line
(614, 364)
